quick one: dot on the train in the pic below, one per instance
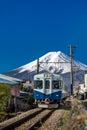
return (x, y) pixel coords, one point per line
(49, 90)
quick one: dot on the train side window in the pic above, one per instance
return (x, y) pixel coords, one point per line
(55, 84)
(38, 84)
(47, 84)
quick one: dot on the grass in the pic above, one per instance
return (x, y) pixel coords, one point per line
(2, 116)
(63, 122)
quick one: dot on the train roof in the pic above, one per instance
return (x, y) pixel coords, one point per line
(9, 79)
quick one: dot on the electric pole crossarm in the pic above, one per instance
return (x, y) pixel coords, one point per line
(38, 64)
(54, 62)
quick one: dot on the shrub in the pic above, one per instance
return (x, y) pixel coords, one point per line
(4, 96)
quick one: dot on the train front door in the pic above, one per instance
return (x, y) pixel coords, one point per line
(47, 88)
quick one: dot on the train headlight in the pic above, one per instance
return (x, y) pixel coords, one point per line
(57, 95)
(37, 95)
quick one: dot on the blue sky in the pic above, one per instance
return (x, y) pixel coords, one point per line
(32, 28)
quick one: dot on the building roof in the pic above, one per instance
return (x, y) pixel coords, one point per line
(9, 80)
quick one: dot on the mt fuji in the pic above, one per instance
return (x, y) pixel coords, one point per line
(53, 62)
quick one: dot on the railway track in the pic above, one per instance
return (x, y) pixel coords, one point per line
(32, 120)
(12, 123)
(54, 122)
(35, 122)
(26, 121)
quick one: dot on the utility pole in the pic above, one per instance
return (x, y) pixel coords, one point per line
(37, 66)
(71, 71)
(71, 68)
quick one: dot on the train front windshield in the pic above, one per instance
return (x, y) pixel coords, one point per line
(56, 84)
(38, 84)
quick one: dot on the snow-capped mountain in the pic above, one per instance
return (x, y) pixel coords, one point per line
(53, 62)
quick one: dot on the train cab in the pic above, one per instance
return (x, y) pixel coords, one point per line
(47, 89)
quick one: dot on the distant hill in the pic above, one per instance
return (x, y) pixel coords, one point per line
(62, 67)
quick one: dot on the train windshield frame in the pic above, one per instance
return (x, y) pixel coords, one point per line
(38, 84)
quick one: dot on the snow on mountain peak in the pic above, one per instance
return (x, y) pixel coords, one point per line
(61, 63)
(53, 62)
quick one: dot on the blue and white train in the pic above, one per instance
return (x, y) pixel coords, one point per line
(48, 90)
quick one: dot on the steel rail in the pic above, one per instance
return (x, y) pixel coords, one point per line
(39, 122)
(13, 125)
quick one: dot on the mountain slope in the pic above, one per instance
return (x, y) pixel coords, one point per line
(59, 57)
(61, 65)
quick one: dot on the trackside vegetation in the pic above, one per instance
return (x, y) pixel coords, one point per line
(5, 95)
